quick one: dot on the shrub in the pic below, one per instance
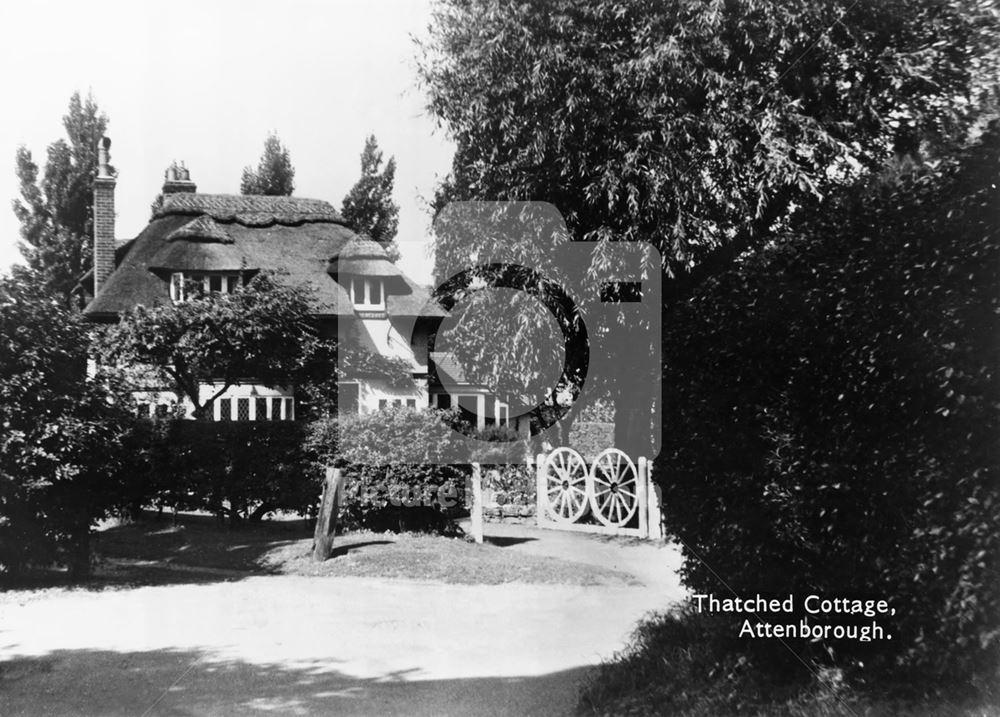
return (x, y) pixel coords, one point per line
(589, 438)
(831, 419)
(690, 664)
(61, 463)
(242, 469)
(389, 481)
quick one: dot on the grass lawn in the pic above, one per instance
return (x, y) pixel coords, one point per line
(156, 550)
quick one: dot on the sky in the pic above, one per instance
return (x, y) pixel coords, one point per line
(205, 82)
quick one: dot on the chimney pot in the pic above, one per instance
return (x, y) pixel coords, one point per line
(177, 179)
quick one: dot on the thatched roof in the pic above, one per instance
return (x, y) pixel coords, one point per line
(365, 257)
(249, 210)
(199, 256)
(204, 228)
(295, 238)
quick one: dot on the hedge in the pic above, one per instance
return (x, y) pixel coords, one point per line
(831, 420)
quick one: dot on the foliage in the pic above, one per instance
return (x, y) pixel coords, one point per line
(512, 484)
(833, 417)
(685, 663)
(55, 210)
(275, 175)
(244, 469)
(61, 465)
(262, 331)
(589, 438)
(698, 126)
(387, 458)
(368, 208)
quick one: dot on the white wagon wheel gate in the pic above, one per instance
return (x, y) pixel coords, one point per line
(615, 490)
(614, 493)
(566, 485)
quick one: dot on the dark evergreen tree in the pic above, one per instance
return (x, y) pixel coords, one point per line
(275, 175)
(368, 208)
(55, 207)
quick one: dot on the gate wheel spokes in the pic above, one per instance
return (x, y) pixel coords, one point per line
(565, 485)
(615, 481)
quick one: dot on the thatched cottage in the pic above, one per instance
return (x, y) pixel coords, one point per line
(221, 241)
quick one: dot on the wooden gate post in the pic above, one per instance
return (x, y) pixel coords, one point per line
(477, 502)
(326, 521)
(642, 494)
(655, 498)
(541, 516)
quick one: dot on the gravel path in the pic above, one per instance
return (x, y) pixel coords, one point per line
(301, 646)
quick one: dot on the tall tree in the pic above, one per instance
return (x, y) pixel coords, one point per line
(274, 175)
(55, 208)
(702, 127)
(368, 208)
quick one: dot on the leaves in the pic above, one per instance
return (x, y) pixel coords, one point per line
(60, 430)
(55, 210)
(274, 175)
(263, 333)
(832, 411)
(369, 208)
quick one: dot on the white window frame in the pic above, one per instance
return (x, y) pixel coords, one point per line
(364, 301)
(229, 282)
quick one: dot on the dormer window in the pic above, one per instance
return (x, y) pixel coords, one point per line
(368, 294)
(184, 286)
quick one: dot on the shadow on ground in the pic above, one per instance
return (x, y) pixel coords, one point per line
(181, 682)
(506, 541)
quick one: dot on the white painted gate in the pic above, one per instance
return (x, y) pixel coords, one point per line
(615, 492)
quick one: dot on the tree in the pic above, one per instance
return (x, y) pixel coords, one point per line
(262, 331)
(274, 175)
(55, 210)
(368, 208)
(834, 410)
(702, 128)
(61, 461)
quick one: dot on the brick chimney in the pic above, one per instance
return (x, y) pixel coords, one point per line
(177, 179)
(104, 217)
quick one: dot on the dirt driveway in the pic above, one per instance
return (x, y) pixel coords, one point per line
(301, 646)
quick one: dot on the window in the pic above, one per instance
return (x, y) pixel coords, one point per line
(444, 400)
(275, 409)
(142, 410)
(177, 287)
(182, 284)
(242, 409)
(162, 410)
(225, 409)
(367, 293)
(260, 409)
(411, 403)
(289, 410)
(382, 404)
(502, 417)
